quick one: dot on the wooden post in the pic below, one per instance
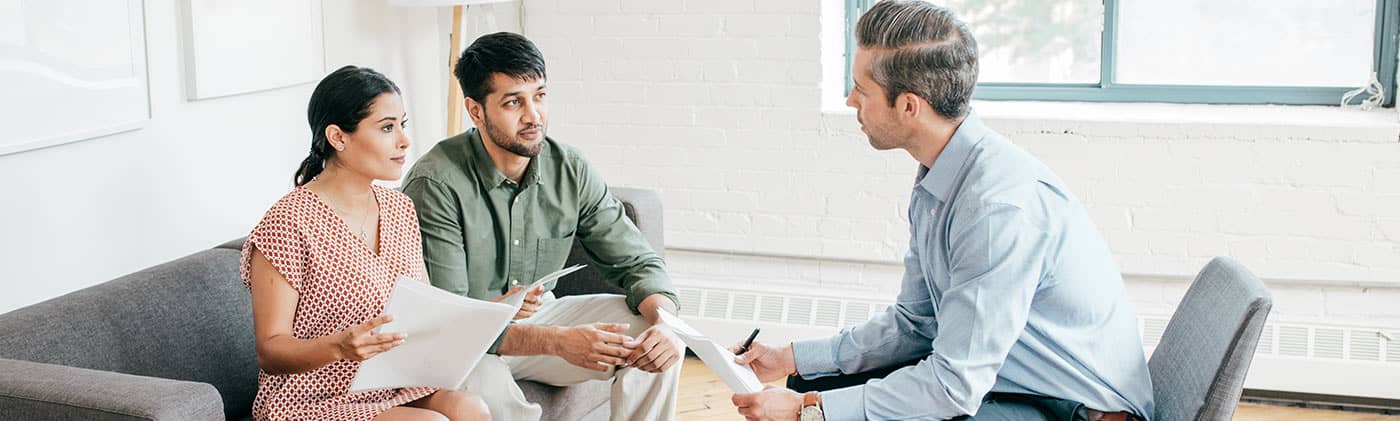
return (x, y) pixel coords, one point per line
(454, 95)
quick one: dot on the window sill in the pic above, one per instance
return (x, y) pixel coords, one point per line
(1153, 120)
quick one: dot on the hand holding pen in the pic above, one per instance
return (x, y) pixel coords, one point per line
(747, 343)
(768, 363)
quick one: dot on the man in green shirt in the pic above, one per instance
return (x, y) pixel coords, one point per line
(501, 206)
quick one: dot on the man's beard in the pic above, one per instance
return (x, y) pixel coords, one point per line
(511, 141)
(876, 135)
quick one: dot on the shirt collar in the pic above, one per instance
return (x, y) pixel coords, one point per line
(939, 179)
(534, 170)
(491, 176)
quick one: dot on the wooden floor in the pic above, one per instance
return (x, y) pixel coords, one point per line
(705, 397)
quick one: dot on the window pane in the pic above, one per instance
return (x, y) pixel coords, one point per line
(1246, 42)
(1035, 41)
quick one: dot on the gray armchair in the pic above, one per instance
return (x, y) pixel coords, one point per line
(1199, 367)
(175, 342)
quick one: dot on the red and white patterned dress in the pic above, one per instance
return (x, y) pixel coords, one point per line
(341, 283)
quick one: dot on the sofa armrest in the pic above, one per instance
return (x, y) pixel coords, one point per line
(37, 391)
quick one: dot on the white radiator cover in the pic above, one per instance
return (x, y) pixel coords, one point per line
(1358, 361)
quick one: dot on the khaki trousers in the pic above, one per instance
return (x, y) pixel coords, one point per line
(636, 395)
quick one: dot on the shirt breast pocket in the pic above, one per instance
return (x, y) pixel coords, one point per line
(551, 255)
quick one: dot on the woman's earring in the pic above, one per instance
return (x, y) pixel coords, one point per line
(340, 148)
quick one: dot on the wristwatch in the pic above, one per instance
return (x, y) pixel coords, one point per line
(811, 407)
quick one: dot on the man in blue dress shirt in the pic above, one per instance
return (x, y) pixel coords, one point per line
(1011, 305)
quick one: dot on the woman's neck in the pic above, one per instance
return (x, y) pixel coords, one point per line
(347, 186)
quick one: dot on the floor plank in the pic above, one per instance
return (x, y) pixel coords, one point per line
(704, 397)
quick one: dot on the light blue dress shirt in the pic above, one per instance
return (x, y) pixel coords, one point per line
(1008, 287)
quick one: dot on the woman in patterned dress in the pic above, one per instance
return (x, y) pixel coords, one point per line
(322, 262)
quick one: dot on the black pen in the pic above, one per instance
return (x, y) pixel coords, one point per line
(745, 347)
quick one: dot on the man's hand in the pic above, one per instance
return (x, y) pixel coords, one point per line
(656, 349)
(773, 403)
(599, 346)
(531, 304)
(768, 363)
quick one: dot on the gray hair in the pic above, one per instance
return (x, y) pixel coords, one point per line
(922, 49)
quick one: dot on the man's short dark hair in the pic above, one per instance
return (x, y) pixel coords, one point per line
(922, 49)
(502, 52)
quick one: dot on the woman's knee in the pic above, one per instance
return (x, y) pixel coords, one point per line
(465, 406)
(476, 408)
(406, 413)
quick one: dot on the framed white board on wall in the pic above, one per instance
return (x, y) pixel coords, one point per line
(73, 70)
(238, 46)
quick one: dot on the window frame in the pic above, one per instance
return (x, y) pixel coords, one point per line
(1384, 58)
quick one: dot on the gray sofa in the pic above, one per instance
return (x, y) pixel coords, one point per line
(175, 342)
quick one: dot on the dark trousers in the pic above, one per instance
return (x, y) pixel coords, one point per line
(995, 406)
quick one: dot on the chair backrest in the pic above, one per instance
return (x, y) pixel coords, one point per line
(1199, 366)
(643, 208)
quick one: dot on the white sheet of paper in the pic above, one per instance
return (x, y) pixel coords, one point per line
(447, 336)
(739, 378)
(518, 298)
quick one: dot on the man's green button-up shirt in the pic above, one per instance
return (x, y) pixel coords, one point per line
(482, 232)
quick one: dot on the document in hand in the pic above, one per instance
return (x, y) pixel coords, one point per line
(518, 298)
(447, 335)
(739, 378)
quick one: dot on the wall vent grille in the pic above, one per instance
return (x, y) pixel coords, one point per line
(1278, 339)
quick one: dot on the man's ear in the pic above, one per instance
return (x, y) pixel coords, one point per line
(475, 110)
(909, 105)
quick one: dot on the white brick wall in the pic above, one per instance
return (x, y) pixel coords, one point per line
(718, 105)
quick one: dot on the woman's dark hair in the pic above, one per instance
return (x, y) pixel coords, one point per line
(343, 98)
(501, 52)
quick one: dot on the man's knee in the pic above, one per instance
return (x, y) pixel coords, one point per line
(604, 308)
(636, 324)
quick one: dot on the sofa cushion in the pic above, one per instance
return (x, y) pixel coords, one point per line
(188, 319)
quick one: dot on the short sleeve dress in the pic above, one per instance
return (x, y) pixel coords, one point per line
(341, 283)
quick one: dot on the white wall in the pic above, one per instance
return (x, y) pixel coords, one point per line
(199, 173)
(719, 104)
